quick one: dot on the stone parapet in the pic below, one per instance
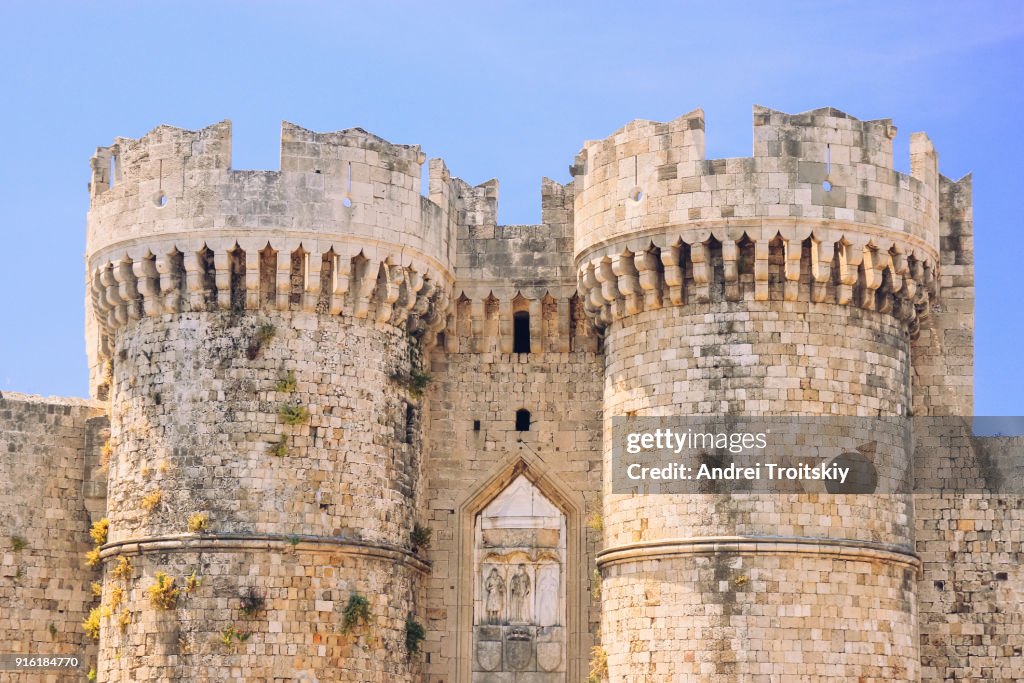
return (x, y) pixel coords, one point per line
(818, 207)
(245, 272)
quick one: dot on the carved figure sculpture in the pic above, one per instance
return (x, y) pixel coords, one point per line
(519, 608)
(495, 587)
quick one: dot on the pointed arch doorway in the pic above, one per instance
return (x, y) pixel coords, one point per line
(519, 580)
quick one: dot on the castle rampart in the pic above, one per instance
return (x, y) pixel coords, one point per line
(340, 407)
(52, 487)
(820, 190)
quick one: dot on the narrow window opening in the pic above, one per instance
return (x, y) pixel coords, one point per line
(476, 425)
(347, 199)
(297, 278)
(236, 266)
(179, 283)
(521, 332)
(268, 276)
(410, 423)
(208, 273)
(522, 420)
(323, 304)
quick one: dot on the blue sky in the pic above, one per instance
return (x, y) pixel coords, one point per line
(499, 89)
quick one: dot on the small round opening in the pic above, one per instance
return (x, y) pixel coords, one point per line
(827, 186)
(160, 199)
(636, 194)
(346, 202)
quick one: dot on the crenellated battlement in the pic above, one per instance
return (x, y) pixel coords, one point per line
(348, 185)
(277, 274)
(818, 212)
(820, 190)
(817, 166)
(308, 373)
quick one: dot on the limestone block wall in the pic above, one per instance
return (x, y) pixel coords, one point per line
(507, 270)
(788, 283)
(473, 452)
(649, 176)
(263, 333)
(301, 365)
(49, 486)
(969, 513)
(195, 413)
(342, 204)
(969, 540)
(669, 566)
(200, 426)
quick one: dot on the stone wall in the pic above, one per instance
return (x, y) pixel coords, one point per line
(788, 283)
(201, 427)
(304, 364)
(474, 452)
(668, 567)
(51, 490)
(970, 519)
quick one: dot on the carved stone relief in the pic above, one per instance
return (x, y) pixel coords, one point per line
(519, 601)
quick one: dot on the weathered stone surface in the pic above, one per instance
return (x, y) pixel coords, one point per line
(461, 375)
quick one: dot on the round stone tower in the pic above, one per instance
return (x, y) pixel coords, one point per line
(788, 283)
(259, 335)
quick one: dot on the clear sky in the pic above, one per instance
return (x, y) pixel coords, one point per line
(499, 89)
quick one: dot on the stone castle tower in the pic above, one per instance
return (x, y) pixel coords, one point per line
(359, 432)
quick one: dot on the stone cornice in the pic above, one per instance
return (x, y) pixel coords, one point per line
(246, 272)
(819, 261)
(846, 549)
(241, 542)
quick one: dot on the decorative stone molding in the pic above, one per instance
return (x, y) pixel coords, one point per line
(768, 545)
(262, 542)
(481, 319)
(853, 265)
(250, 274)
(820, 189)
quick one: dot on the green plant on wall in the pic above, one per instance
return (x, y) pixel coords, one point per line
(105, 454)
(91, 625)
(18, 543)
(99, 530)
(151, 501)
(116, 596)
(252, 602)
(292, 414)
(598, 665)
(420, 536)
(279, 448)
(418, 382)
(356, 612)
(123, 569)
(231, 637)
(415, 381)
(162, 593)
(263, 335)
(198, 522)
(414, 634)
(286, 384)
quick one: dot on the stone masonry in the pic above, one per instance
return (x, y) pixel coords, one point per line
(346, 428)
